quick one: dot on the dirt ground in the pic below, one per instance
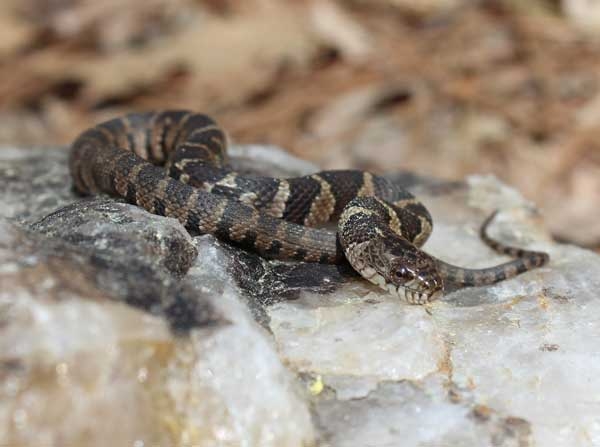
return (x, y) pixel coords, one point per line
(445, 88)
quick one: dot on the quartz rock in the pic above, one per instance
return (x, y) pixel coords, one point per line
(104, 307)
(107, 339)
(34, 182)
(494, 365)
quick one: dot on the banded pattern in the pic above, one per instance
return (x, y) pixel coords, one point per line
(174, 163)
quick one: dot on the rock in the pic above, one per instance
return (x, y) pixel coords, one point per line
(34, 182)
(104, 307)
(72, 360)
(426, 419)
(483, 366)
(97, 315)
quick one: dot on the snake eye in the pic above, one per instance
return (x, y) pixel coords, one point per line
(403, 274)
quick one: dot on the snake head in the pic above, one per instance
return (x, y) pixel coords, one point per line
(397, 266)
(412, 274)
(416, 283)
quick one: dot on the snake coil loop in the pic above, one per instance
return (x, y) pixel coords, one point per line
(173, 163)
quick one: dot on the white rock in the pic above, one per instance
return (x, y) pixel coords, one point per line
(511, 364)
(373, 336)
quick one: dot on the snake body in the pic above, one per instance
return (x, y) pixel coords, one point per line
(174, 163)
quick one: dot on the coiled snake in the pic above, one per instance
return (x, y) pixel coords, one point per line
(174, 163)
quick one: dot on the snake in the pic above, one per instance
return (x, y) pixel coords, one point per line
(174, 163)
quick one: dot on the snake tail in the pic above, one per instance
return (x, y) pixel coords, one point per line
(525, 260)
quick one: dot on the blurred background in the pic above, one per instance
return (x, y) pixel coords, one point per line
(441, 87)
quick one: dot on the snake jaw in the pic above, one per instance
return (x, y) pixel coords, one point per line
(413, 295)
(412, 292)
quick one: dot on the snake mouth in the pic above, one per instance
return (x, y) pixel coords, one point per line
(414, 296)
(414, 292)
(410, 292)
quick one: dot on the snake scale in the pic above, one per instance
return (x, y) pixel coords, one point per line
(174, 163)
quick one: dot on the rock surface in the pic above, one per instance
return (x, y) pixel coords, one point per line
(117, 327)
